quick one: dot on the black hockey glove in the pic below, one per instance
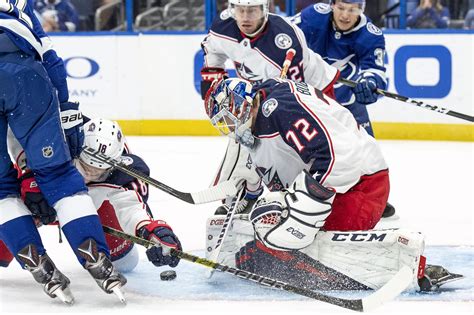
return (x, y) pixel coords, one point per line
(34, 199)
(160, 233)
(71, 120)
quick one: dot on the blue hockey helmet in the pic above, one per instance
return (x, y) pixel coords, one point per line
(361, 3)
(228, 104)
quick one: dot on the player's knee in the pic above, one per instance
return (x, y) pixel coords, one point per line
(59, 181)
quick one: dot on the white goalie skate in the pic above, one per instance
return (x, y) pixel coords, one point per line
(102, 270)
(55, 283)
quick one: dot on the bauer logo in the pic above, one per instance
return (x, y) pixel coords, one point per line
(80, 67)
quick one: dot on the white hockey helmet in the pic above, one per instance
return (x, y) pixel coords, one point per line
(104, 136)
(256, 15)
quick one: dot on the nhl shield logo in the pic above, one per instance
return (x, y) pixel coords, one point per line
(48, 152)
(269, 106)
(283, 41)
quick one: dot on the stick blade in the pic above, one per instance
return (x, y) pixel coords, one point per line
(215, 193)
(390, 290)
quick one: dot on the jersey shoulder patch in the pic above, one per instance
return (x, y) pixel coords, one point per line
(225, 14)
(283, 41)
(269, 106)
(322, 8)
(373, 29)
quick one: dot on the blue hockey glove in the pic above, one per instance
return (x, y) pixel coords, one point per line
(71, 120)
(160, 233)
(365, 90)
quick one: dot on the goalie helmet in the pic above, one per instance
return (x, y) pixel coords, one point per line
(104, 136)
(361, 3)
(228, 104)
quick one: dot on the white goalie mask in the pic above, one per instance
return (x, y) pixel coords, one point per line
(228, 104)
(105, 137)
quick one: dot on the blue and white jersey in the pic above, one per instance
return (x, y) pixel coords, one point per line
(19, 22)
(261, 57)
(357, 52)
(298, 128)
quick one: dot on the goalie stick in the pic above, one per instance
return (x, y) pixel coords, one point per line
(214, 254)
(219, 192)
(389, 291)
(412, 101)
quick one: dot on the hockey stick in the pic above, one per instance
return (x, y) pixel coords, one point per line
(219, 192)
(290, 54)
(214, 254)
(405, 99)
(389, 291)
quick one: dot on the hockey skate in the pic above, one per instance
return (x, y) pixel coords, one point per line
(101, 269)
(55, 284)
(435, 276)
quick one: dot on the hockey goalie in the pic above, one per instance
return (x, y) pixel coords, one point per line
(327, 182)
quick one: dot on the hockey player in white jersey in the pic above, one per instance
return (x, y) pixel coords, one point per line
(256, 42)
(328, 184)
(121, 200)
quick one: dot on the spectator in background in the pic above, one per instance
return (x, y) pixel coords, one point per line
(392, 17)
(429, 14)
(57, 15)
(469, 20)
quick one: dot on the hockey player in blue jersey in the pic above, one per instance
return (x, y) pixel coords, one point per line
(33, 91)
(349, 41)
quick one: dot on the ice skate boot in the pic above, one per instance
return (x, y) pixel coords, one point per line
(101, 269)
(55, 284)
(435, 276)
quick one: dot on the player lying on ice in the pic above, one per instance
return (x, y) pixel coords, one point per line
(328, 185)
(121, 200)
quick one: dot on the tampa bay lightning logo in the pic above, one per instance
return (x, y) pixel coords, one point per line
(269, 106)
(322, 8)
(373, 29)
(346, 66)
(283, 41)
(246, 73)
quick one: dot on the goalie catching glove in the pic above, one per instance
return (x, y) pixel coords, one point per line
(290, 219)
(160, 233)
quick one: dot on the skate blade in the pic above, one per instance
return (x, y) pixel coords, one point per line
(119, 294)
(450, 278)
(65, 296)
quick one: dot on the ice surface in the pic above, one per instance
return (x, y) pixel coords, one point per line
(432, 185)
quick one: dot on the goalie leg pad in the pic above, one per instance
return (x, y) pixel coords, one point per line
(294, 267)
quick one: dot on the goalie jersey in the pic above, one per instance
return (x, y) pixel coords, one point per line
(357, 52)
(260, 58)
(311, 132)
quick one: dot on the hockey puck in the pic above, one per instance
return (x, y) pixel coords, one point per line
(168, 275)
